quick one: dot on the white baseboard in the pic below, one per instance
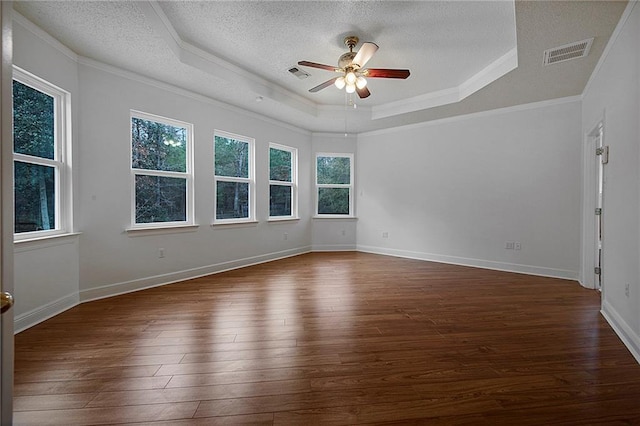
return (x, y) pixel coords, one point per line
(45, 312)
(333, 247)
(477, 263)
(630, 339)
(159, 280)
(36, 316)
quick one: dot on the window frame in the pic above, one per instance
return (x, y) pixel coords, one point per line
(350, 185)
(61, 162)
(187, 175)
(250, 179)
(293, 184)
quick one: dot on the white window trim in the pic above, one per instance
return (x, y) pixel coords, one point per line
(187, 175)
(293, 183)
(62, 156)
(250, 180)
(318, 186)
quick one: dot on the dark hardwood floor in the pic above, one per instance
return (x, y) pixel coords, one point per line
(335, 338)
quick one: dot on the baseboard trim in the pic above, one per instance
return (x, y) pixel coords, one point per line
(116, 289)
(333, 247)
(476, 263)
(630, 339)
(36, 316)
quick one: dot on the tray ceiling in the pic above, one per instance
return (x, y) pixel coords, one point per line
(464, 56)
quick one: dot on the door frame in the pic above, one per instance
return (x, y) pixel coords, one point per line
(589, 198)
(6, 213)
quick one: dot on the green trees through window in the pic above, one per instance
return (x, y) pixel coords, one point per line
(334, 183)
(233, 176)
(282, 181)
(159, 161)
(36, 174)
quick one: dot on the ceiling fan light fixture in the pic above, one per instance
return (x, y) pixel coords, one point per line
(350, 78)
(351, 69)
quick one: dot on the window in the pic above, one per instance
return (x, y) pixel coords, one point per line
(334, 184)
(233, 176)
(41, 151)
(283, 189)
(161, 163)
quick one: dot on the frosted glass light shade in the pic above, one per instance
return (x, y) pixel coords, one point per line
(350, 78)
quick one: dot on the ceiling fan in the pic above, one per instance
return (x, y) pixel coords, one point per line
(351, 67)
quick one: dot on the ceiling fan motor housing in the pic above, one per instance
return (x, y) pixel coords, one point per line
(346, 59)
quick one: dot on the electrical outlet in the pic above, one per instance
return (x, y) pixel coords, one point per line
(160, 253)
(626, 289)
(509, 245)
(517, 246)
(344, 232)
(385, 235)
(286, 236)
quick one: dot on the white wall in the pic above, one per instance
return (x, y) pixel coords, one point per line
(613, 94)
(46, 272)
(54, 274)
(457, 190)
(113, 260)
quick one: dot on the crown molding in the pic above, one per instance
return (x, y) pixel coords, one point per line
(206, 61)
(610, 43)
(501, 66)
(43, 35)
(480, 114)
(184, 92)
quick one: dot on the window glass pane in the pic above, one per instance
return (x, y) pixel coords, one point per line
(232, 200)
(34, 197)
(231, 157)
(33, 122)
(160, 199)
(333, 201)
(158, 146)
(279, 165)
(333, 170)
(279, 200)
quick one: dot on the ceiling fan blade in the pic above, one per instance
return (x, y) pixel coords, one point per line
(323, 85)
(363, 93)
(386, 73)
(316, 65)
(365, 53)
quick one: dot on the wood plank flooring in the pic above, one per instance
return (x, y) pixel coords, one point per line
(332, 338)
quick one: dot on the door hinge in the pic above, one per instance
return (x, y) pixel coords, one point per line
(597, 270)
(598, 211)
(604, 152)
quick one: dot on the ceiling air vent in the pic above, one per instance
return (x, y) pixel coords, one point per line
(579, 49)
(301, 74)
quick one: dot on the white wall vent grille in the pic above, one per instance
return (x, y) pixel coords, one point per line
(579, 49)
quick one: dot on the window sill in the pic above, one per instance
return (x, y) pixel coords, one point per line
(45, 241)
(334, 216)
(283, 219)
(159, 230)
(246, 224)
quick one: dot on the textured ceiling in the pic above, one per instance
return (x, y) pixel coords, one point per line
(235, 51)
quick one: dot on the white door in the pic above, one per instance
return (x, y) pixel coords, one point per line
(6, 220)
